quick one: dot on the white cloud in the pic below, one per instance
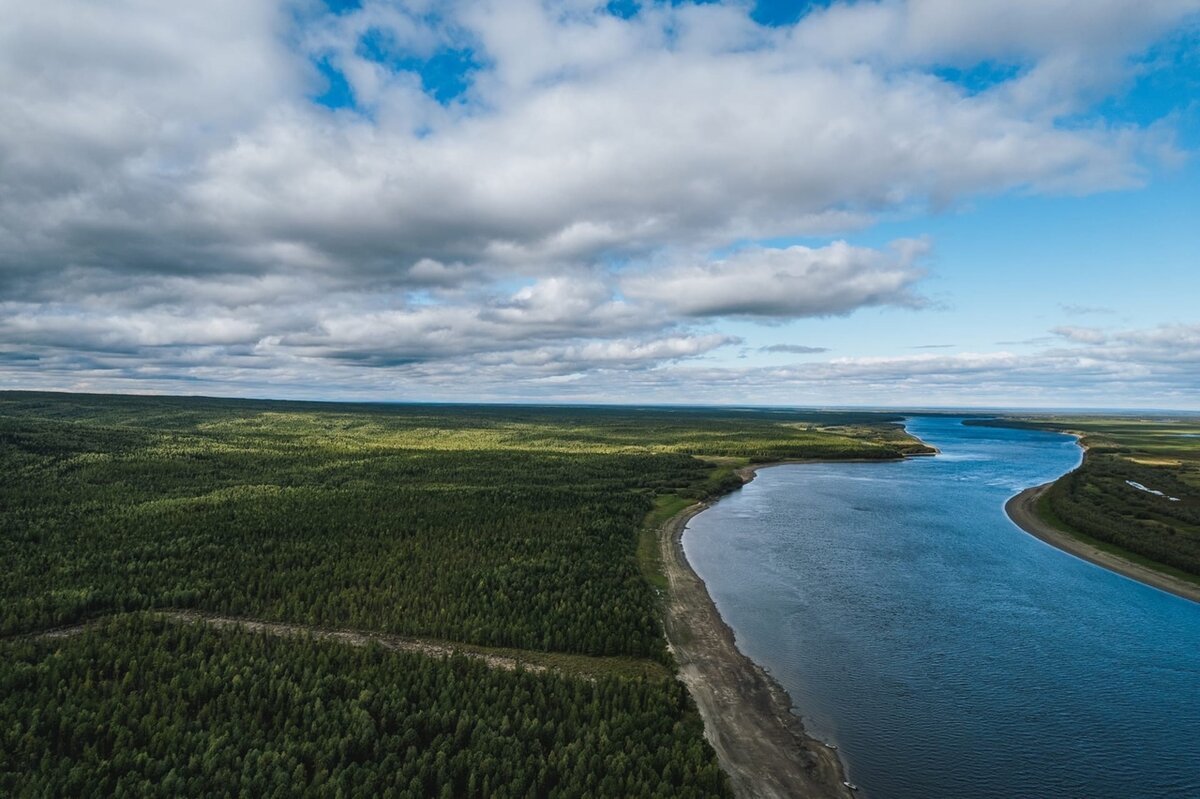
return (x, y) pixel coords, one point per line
(787, 283)
(172, 202)
(1081, 335)
(145, 136)
(1154, 367)
(793, 349)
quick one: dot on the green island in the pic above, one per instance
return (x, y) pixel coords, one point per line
(1135, 497)
(229, 597)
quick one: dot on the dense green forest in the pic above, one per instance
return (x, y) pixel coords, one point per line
(141, 707)
(1099, 500)
(493, 526)
(502, 527)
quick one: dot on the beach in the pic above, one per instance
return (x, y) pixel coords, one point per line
(760, 743)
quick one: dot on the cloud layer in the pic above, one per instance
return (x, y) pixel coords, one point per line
(581, 205)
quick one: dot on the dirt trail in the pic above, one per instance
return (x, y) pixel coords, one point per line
(1022, 509)
(747, 715)
(395, 643)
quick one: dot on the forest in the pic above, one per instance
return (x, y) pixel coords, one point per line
(492, 526)
(134, 706)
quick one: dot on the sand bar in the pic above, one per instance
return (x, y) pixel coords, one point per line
(1022, 509)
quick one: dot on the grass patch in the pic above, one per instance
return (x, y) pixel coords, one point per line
(649, 551)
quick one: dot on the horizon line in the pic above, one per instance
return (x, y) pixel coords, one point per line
(915, 409)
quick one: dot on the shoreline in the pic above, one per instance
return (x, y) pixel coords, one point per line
(761, 744)
(1022, 511)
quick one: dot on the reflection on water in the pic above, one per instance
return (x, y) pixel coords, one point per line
(945, 651)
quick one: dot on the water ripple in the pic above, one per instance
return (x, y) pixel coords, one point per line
(947, 653)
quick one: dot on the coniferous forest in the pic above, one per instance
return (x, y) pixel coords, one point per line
(139, 707)
(486, 526)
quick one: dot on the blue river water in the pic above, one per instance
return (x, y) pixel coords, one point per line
(946, 652)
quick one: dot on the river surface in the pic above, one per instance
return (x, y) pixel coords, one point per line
(944, 650)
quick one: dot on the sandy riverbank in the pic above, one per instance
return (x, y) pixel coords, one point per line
(1022, 509)
(747, 715)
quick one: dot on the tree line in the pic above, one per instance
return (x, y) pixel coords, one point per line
(1098, 501)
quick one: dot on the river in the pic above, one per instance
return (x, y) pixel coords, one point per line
(946, 652)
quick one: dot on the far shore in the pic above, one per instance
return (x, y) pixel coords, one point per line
(1022, 509)
(748, 719)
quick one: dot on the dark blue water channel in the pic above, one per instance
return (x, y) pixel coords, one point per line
(945, 651)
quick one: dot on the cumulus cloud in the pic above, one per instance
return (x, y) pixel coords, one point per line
(139, 137)
(175, 206)
(787, 283)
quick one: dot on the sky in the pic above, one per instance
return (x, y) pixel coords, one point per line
(923, 203)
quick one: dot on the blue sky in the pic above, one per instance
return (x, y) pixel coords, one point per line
(905, 202)
(1009, 268)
